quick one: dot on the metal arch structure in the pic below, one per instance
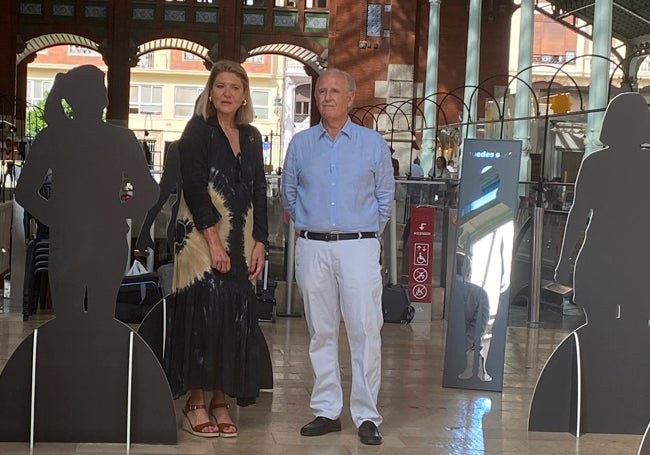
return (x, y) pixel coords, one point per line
(630, 18)
(416, 105)
(511, 79)
(377, 110)
(630, 25)
(548, 91)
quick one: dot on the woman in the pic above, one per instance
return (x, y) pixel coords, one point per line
(221, 232)
(440, 170)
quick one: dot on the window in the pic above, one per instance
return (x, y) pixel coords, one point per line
(258, 59)
(373, 20)
(286, 3)
(82, 51)
(316, 4)
(145, 99)
(303, 102)
(188, 56)
(254, 2)
(37, 90)
(184, 100)
(146, 60)
(260, 104)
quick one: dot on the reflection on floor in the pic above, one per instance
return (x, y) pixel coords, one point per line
(420, 417)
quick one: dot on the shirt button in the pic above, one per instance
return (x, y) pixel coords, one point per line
(332, 203)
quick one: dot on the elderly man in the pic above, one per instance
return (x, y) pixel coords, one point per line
(337, 186)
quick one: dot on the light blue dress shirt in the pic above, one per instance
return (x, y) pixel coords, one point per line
(344, 184)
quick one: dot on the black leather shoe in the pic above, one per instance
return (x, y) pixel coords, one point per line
(369, 433)
(320, 426)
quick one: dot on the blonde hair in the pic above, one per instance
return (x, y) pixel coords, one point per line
(204, 106)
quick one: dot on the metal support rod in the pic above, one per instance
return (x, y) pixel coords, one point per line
(151, 252)
(535, 268)
(291, 255)
(392, 243)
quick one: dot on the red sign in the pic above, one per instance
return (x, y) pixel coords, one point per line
(421, 253)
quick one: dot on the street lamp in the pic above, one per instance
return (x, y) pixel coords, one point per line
(277, 103)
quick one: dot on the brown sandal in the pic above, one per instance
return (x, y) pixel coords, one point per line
(221, 426)
(196, 430)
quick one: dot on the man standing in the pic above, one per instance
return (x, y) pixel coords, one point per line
(338, 186)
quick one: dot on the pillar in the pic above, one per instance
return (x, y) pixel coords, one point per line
(522, 97)
(430, 87)
(599, 85)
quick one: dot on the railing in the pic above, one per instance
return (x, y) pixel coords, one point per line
(442, 196)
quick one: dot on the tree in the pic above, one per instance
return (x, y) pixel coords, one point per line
(35, 121)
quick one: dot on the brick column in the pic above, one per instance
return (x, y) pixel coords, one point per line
(119, 55)
(8, 21)
(230, 18)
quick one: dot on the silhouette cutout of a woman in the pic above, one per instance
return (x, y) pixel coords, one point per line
(90, 161)
(608, 224)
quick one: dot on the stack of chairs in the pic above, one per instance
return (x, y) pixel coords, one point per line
(36, 285)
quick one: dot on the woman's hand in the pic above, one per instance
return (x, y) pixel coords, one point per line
(219, 259)
(257, 261)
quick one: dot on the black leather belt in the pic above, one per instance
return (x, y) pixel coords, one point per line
(333, 236)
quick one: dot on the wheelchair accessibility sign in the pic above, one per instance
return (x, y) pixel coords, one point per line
(420, 253)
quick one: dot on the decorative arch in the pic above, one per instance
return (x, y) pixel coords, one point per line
(54, 39)
(174, 43)
(306, 56)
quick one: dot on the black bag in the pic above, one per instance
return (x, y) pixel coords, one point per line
(137, 296)
(395, 304)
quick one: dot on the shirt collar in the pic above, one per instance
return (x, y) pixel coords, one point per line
(347, 128)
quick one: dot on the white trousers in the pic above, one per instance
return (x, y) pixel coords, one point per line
(342, 278)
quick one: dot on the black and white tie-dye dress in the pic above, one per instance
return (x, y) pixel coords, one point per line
(212, 320)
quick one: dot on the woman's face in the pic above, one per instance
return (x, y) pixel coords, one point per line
(228, 93)
(439, 163)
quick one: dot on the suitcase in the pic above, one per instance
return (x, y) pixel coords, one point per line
(395, 304)
(137, 296)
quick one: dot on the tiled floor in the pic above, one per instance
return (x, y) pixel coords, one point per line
(420, 417)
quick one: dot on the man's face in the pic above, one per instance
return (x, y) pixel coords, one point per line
(333, 98)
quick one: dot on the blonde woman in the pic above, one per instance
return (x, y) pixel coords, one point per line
(221, 233)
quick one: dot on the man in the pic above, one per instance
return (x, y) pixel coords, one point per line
(337, 186)
(415, 170)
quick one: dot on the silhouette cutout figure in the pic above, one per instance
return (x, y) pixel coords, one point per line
(597, 380)
(84, 350)
(170, 180)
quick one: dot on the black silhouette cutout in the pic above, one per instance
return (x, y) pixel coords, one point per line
(82, 356)
(597, 380)
(169, 181)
